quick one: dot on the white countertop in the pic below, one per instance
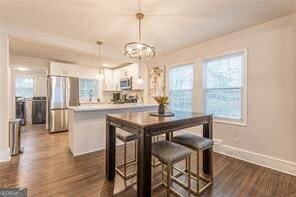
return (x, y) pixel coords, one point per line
(102, 107)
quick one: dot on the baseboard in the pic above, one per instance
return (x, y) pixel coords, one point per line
(4, 155)
(256, 158)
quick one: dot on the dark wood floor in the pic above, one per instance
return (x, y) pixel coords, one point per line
(47, 168)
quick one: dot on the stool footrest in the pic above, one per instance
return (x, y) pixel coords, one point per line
(193, 174)
(127, 176)
(130, 163)
(194, 177)
(165, 185)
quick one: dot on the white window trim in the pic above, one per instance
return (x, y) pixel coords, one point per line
(167, 91)
(243, 121)
(27, 76)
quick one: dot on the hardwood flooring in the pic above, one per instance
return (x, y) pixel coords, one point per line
(47, 168)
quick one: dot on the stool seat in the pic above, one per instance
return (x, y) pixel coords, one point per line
(169, 152)
(125, 136)
(193, 141)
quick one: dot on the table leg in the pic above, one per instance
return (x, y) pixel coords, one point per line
(110, 150)
(168, 136)
(207, 159)
(144, 164)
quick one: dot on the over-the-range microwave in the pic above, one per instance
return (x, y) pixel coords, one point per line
(126, 83)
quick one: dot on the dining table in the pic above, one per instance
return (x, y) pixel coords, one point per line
(145, 127)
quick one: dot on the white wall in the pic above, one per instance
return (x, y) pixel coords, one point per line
(29, 61)
(4, 94)
(271, 126)
(86, 72)
(37, 68)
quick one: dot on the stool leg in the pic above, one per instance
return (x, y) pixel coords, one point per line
(124, 160)
(197, 172)
(188, 167)
(135, 150)
(153, 158)
(162, 173)
(211, 165)
(169, 182)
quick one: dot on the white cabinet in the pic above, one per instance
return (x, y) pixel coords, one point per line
(116, 79)
(72, 70)
(134, 71)
(57, 68)
(113, 76)
(108, 79)
(62, 69)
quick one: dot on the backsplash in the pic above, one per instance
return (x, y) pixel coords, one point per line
(108, 95)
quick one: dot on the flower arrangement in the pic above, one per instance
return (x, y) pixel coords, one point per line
(162, 101)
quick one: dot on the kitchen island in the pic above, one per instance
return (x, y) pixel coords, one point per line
(87, 124)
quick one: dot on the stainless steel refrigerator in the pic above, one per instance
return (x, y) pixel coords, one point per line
(62, 93)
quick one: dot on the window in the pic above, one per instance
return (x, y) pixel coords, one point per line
(25, 86)
(224, 86)
(88, 89)
(180, 87)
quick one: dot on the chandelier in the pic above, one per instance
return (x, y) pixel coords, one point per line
(139, 49)
(100, 75)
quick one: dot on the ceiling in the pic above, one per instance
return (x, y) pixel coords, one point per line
(56, 53)
(168, 24)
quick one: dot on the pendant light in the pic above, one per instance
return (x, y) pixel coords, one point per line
(100, 75)
(138, 49)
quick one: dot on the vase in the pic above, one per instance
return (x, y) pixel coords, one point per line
(161, 109)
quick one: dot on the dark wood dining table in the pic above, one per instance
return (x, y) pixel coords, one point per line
(145, 127)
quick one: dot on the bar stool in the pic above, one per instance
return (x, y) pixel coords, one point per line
(126, 137)
(197, 144)
(170, 153)
(155, 163)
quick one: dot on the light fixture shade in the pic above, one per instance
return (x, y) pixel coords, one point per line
(139, 50)
(140, 81)
(100, 76)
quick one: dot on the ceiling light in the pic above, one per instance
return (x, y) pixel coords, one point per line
(100, 75)
(139, 49)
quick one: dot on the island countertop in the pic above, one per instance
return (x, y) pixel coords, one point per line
(99, 107)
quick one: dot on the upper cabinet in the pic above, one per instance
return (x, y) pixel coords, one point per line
(135, 72)
(113, 76)
(116, 76)
(62, 69)
(108, 79)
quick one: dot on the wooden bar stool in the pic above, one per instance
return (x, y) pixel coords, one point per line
(197, 144)
(170, 153)
(126, 137)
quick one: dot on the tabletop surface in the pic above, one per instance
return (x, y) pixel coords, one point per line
(143, 119)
